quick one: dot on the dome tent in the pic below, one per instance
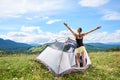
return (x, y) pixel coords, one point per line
(59, 58)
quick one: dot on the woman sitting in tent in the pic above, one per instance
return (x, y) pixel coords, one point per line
(80, 46)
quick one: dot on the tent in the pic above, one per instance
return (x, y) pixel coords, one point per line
(59, 58)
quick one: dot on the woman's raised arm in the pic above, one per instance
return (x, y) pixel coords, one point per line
(92, 30)
(74, 34)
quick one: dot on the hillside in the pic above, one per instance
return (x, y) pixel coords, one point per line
(91, 47)
(9, 45)
(105, 66)
(103, 45)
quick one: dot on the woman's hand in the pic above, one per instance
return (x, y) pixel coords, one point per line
(65, 24)
(98, 27)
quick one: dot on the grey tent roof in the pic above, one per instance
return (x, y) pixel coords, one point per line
(63, 46)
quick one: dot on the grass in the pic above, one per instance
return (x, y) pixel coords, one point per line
(105, 66)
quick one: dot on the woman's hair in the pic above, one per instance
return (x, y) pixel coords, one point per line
(79, 30)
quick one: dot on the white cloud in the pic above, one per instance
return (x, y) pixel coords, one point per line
(33, 34)
(11, 16)
(103, 37)
(10, 28)
(31, 29)
(45, 17)
(37, 17)
(53, 21)
(14, 8)
(92, 3)
(29, 18)
(111, 15)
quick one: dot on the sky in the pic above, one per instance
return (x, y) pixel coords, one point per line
(41, 21)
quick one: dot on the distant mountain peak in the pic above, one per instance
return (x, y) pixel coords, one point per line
(12, 45)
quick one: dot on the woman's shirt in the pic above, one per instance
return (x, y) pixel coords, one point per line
(79, 42)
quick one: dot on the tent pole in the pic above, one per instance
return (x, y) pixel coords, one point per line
(61, 58)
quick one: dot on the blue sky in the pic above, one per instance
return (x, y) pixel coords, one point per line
(41, 21)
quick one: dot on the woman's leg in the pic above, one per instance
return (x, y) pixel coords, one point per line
(83, 59)
(78, 59)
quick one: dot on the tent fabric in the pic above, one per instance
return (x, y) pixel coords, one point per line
(59, 58)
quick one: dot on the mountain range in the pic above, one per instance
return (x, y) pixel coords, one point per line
(10, 45)
(101, 46)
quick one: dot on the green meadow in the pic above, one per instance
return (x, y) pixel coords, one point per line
(105, 66)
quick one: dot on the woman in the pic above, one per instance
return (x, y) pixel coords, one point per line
(80, 46)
